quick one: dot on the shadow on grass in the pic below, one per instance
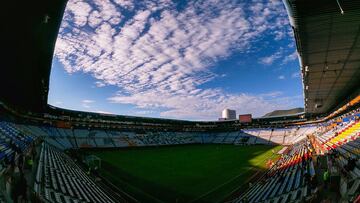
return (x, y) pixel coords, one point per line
(151, 191)
(141, 189)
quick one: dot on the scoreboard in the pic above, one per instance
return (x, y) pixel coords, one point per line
(245, 118)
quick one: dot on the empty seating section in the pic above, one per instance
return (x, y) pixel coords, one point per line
(163, 138)
(75, 138)
(101, 138)
(277, 136)
(338, 134)
(59, 179)
(297, 134)
(264, 136)
(285, 136)
(63, 138)
(13, 139)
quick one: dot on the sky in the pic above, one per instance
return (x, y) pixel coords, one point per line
(175, 59)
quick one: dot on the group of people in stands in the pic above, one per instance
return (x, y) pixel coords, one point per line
(351, 162)
(16, 165)
(349, 158)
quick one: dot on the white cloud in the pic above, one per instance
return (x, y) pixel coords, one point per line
(279, 35)
(290, 57)
(273, 94)
(159, 56)
(268, 60)
(128, 4)
(204, 104)
(80, 11)
(100, 84)
(86, 103)
(281, 77)
(143, 112)
(103, 112)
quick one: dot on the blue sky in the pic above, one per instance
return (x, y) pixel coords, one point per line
(175, 59)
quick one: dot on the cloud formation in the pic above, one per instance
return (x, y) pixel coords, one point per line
(158, 53)
(268, 60)
(291, 57)
(86, 103)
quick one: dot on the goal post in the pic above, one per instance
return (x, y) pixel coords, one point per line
(93, 162)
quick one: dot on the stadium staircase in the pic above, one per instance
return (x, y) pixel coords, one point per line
(130, 142)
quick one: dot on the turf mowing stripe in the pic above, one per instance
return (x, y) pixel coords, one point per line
(219, 186)
(135, 173)
(247, 180)
(145, 194)
(254, 174)
(230, 180)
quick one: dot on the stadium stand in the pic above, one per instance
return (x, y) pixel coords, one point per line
(59, 179)
(286, 180)
(16, 152)
(84, 138)
(339, 142)
(294, 177)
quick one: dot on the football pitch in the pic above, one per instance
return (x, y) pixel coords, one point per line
(183, 173)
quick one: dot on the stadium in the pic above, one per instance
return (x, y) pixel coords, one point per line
(53, 154)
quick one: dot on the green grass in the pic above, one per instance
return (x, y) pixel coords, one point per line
(186, 173)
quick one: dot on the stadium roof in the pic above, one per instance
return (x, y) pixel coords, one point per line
(28, 35)
(327, 37)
